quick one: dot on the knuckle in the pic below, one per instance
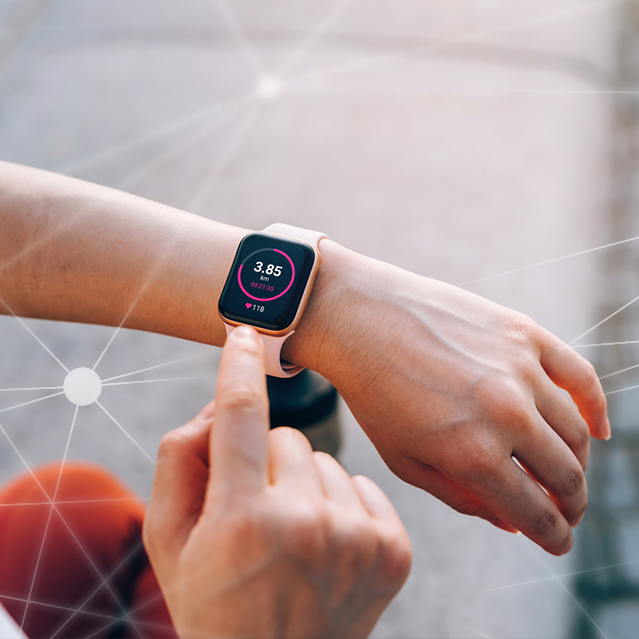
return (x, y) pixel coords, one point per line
(322, 457)
(356, 546)
(521, 327)
(504, 400)
(574, 482)
(172, 444)
(578, 436)
(582, 435)
(513, 406)
(544, 524)
(248, 525)
(590, 371)
(241, 399)
(305, 533)
(479, 457)
(245, 533)
(397, 558)
(472, 507)
(525, 366)
(241, 524)
(582, 447)
(284, 434)
(358, 543)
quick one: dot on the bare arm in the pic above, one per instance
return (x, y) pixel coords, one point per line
(449, 386)
(76, 251)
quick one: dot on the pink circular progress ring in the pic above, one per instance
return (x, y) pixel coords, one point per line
(269, 299)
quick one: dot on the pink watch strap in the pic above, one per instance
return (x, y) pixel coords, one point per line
(275, 365)
(296, 233)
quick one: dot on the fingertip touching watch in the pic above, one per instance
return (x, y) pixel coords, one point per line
(269, 285)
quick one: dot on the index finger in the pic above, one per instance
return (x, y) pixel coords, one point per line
(574, 373)
(239, 444)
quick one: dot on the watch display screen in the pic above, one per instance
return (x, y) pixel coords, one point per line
(267, 281)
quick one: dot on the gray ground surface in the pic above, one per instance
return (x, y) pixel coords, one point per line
(458, 140)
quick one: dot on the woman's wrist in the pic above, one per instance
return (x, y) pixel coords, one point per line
(315, 343)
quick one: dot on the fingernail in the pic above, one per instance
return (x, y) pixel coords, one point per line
(245, 333)
(608, 430)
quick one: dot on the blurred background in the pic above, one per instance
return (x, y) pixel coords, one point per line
(487, 143)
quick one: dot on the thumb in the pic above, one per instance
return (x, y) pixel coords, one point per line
(179, 487)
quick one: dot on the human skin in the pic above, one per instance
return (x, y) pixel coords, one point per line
(252, 534)
(448, 385)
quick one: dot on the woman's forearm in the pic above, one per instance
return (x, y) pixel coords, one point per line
(75, 251)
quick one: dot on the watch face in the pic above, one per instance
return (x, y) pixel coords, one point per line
(267, 281)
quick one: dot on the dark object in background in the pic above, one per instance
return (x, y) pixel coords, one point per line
(309, 403)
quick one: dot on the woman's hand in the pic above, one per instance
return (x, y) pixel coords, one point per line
(251, 534)
(450, 387)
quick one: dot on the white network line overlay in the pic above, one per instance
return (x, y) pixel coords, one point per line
(208, 120)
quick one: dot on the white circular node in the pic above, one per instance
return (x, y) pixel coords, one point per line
(82, 386)
(268, 87)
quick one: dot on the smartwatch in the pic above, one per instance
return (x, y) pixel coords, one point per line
(269, 285)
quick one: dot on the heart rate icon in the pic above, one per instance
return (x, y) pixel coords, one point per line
(248, 304)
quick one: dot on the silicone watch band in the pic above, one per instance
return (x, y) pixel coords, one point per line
(275, 365)
(296, 233)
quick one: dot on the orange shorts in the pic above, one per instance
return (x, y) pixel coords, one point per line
(89, 576)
